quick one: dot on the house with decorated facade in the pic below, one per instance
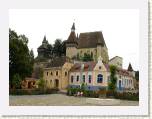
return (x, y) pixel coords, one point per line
(96, 75)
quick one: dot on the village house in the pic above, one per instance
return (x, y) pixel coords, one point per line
(96, 75)
(56, 73)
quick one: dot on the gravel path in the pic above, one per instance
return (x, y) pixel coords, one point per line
(64, 100)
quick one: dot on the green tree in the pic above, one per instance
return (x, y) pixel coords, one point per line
(20, 58)
(49, 52)
(137, 75)
(23, 38)
(113, 78)
(16, 81)
(57, 48)
(87, 57)
(82, 87)
(64, 48)
(41, 84)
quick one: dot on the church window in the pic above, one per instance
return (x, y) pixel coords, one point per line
(83, 78)
(100, 78)
(77, 78)
(89, 78)
(51, 73)
(47, 73)
(99, 67)
(71, 79)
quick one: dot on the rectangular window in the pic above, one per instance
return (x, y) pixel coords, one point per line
(83, 78)
(71, 79)
(131, 82)
(108, 79)
(122, 81)
(77, 78)
(125, 82)
(90, 78)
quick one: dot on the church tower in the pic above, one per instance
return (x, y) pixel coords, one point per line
(71, 44)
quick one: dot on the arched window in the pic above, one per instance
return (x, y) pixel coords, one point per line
(84, 78)
(71, 79)
(100, 78)
(89, 78)
(65, 73)
(77, 78)
(56, 73)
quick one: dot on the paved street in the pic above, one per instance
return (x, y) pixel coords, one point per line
(64, 100)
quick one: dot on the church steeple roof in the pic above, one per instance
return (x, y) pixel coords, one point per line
(130, 67)
(44, 40)
(73, 27)
(72, 37)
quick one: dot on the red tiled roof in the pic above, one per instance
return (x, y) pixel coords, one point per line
(72, 38)
(88, 66)
(124, 72)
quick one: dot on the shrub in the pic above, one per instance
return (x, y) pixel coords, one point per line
(32, 91)
(123, 95)
(16, 81)
(110, 93)
(127, 96)
(41, 83)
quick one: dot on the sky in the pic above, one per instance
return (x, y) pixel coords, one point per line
(120, 28)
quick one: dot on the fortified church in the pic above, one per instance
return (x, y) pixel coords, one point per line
(62, 72)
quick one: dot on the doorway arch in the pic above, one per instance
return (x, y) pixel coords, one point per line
(56, 83)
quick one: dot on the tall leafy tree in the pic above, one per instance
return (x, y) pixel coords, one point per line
(113, 78)
(49, 51)
(63, 48)
(20, 58)
(57, 48)
(137, 75)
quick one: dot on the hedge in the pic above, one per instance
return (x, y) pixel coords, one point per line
(32, 91)
(105, 94)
